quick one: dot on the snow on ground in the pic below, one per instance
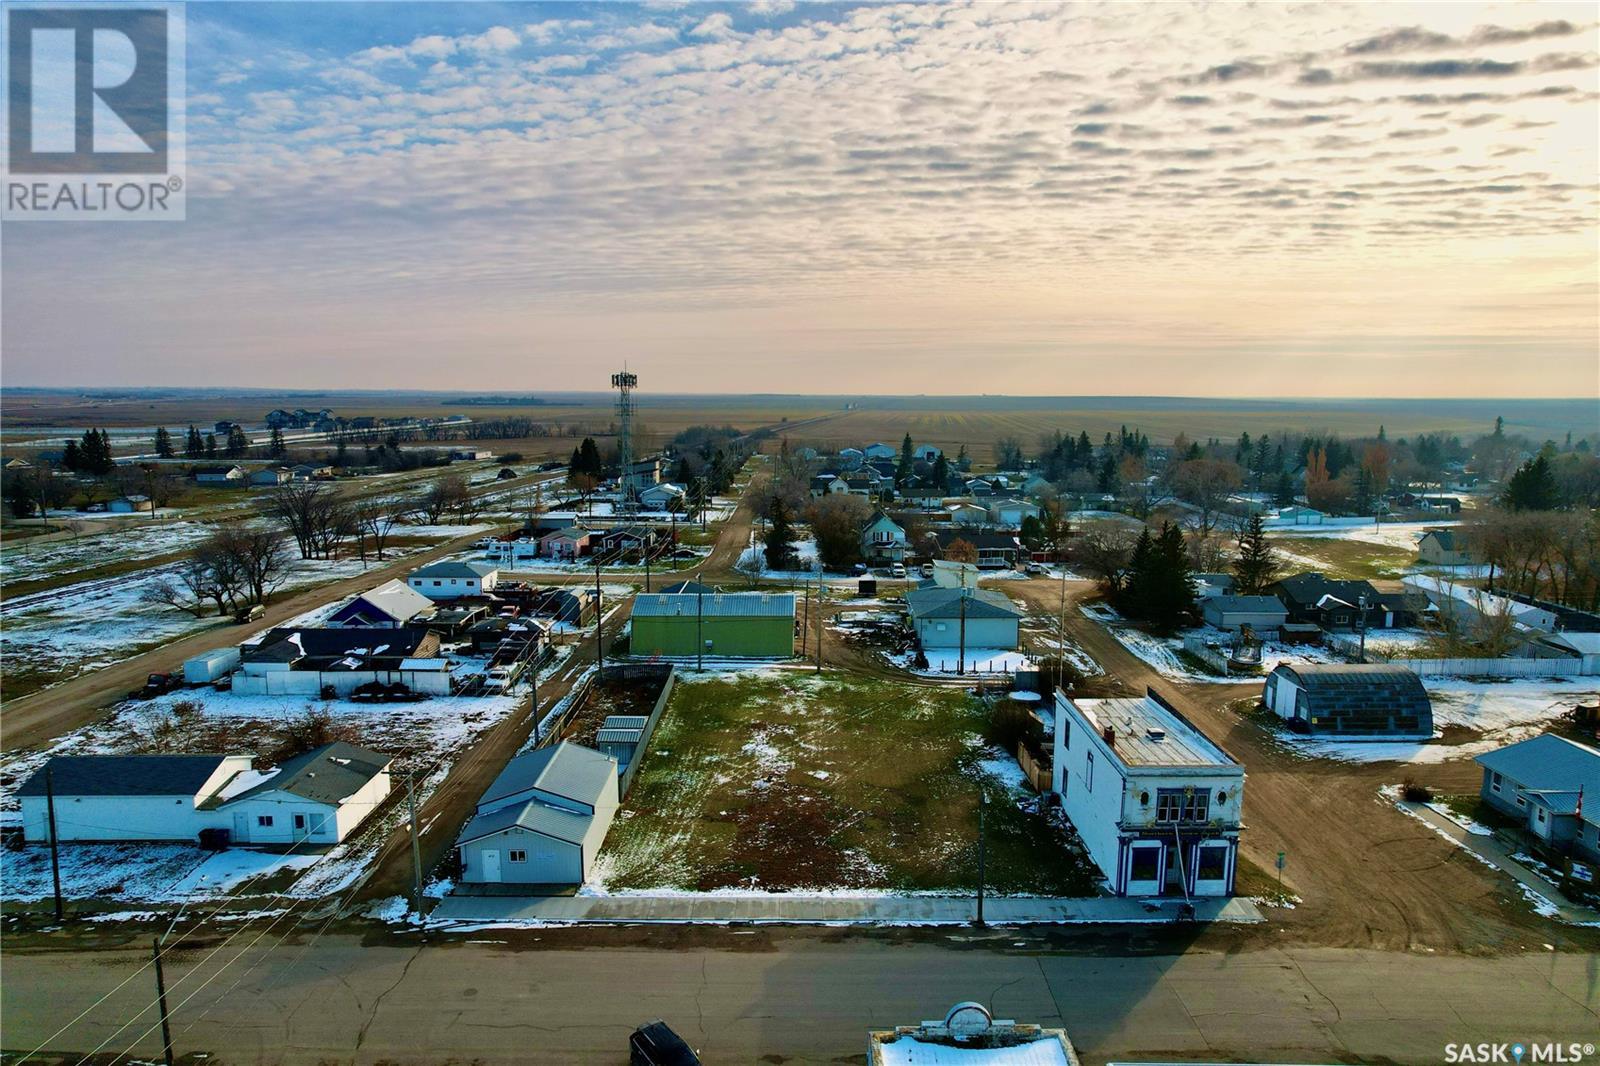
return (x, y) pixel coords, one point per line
(140, 873)
(1386, 534)
(942, 662)
(1163, 653)
(28, 560)
(805, 549)
(444, 532)
(69, 631)
(1501, 712)
(1081, 660)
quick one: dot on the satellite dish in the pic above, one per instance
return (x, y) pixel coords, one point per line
(968, 1018)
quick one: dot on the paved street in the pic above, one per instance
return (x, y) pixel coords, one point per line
(744, 996)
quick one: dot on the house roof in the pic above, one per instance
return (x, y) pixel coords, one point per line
(1356, 686)
(939, 602)
(1582, 643)
(569, 532)
(689, 587)
(456, 569)
(717, 605)
(329, 774)
(568, 770)
(1445, 537)
(1312, 587)
(1554, 767)
(124, 775)
(289, 644)
(1146, 732)
(394, 599)
(225, 469)
(534, 816)
(1249, 604)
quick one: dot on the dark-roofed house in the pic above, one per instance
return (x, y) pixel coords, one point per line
(543, 820)
(996, 550)
(1552, 786)
(451, 579)
(1316, 599)
(301, 661)
(392, 603)
(315, 798)
(1354, 701)
(1443, 547)
(937, 613)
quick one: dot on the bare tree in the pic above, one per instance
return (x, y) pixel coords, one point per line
(1103, 552)
(302, 509)
(374, 520)
(445, 495)
(256, 556)
(1206, 485)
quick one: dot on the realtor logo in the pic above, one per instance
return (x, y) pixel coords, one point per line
(94, 112)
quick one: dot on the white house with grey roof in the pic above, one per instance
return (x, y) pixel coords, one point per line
(543, 820)
(953, 617)
(393, 603)
(315, 798)
(451, 579)
(1156, 802)
(1551, 785)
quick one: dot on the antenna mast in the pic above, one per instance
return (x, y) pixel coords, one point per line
(625, 382)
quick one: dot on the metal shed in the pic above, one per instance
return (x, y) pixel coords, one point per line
(1350, 700)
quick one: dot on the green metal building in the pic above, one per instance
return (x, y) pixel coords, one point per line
(754, 625)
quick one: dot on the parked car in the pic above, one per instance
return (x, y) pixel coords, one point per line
(154, 685)
(655, 1044)
(897, 570)
(1038, 568)
(859, 568)
(498, 679)
(927, 569)
(249, 614)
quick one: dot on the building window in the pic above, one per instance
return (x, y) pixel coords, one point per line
(1494, 782)
(1182, 805)
(264, 820)
(1540, 815)
(1521, 802)
(1213, 864)
(1066, 733)
(1146, 864)
(1088, 772)
(519, 856)
(299, 821)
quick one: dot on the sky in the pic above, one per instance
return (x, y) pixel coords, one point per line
(1270, 200)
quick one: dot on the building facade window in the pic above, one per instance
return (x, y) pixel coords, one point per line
(519, 856)
(1088, 772)
(1494, 782)
(264, 820)
(1182, 805)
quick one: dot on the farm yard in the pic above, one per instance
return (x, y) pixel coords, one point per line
(782, 780)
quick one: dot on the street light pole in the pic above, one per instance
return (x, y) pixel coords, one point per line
(1361, 624)
(55, 854)
(599, 620)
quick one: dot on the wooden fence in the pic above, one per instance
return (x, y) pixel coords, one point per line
(1464, 667)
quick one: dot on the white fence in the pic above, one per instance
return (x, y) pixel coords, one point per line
(1347, 645)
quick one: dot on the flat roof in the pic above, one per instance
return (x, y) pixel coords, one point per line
(1136, 721)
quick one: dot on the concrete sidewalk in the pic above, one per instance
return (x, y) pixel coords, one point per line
(1496, 854)
(798, 908)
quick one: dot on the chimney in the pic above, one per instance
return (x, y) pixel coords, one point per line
(1109, 735)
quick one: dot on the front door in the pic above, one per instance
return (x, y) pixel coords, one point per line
(1147, 868)
(241, 827)
(491, 865)
(1213, 868)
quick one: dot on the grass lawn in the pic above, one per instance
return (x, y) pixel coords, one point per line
(1349, 559)
(789, 781)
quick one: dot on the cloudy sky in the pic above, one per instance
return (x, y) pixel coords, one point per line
(1240, 200)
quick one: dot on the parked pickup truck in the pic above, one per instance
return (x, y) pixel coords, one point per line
(155, 685)
(498, 679)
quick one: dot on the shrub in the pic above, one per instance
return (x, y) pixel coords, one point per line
(310, 730)
(1415, 792)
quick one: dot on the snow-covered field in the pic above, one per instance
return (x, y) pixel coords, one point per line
(943, 662)
(1502, 712)
(68, 631)
(26, 560)
(1386, 534)
(810, 565)
(424, 736)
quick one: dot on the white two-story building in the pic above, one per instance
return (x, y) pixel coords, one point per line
(1155, 800)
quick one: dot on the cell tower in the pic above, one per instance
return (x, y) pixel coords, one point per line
(625, 382)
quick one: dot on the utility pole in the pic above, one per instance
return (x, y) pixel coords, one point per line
(1361, 625)
(416, 852)
(700, 631)
(821, 602)
(805, 621)
(982, 803)
(647, 570)
(599, 619)
(55, 854)
(161, 1003)
(961, 661)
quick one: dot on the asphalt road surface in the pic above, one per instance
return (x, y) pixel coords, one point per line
(746, 996)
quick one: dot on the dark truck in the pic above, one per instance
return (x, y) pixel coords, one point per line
(155, 685)
(655, 1044)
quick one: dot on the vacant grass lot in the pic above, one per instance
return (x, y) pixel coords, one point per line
(1338, 558)
(786, 781)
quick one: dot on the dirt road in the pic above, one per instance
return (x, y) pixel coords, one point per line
(50, 712)
(1368, 875)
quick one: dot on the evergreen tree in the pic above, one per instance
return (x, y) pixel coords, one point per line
(941, 473)
(238, 444)
(1283, 492)
(1106, 480)
(70, 457)
(163, 443)
(275, 445)
(589, 461)
(779, 540)
(902, 471)
(1136, 591)
(193, 446)
(211, 445)
(1257, 565)
(1172, 598)
(963, 462)
(1532, 487)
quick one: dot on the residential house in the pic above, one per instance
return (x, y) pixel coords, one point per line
(218, 475)
(724, 624)
(310, 472)
(1350, 701)
(304, 661)
(1156, 802)
(863, 484)
(470, 455)
(967, 513)
(664, 496)
(880, 450)
(1469, 607)
(452, 579)
(955, 617)
(567, 543)
(883, 540)
(1213, 585)
(642, 473)
(543, 820)
(1313, 598)
(806, 454)
(1038, 485)
(1008, 511)
(129, 505)
(631, 542)
(390, 605)
(278, 419)
(222, 428)
(828, 485)
(562, 605)
(1443, 547)
(1551, 785)
(996, 551)
(979, 488)
(511, 553)
(851, 458)
(272, 475)
(1263, 614)
(18, 464)
(921, 492)
(488, 635)
(1568, 644)
(926, 453)
(317, 798)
